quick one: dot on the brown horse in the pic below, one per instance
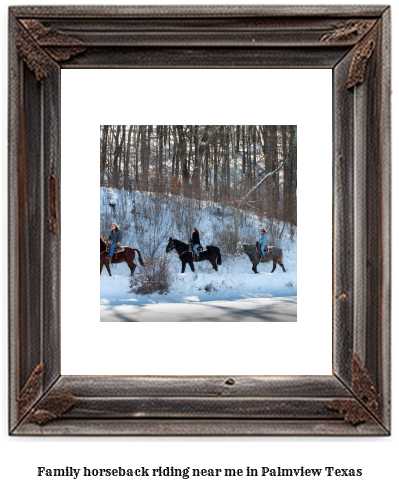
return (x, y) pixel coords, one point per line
(128, 255)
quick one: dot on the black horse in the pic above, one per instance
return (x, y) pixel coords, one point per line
(212, 254)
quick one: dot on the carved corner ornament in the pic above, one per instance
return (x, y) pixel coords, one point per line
(30, 391)
(361, 411)
(364, 34)
(363, 52)
(51, 407)
(351, 31)
(39, 46)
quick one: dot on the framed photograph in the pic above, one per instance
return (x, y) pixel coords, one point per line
(197, 191)
(53, 53)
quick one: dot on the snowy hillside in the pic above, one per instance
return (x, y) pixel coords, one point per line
(148, 220)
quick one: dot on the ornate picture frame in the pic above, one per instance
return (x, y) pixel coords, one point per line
(352, 41)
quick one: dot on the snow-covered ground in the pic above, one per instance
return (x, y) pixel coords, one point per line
(253, 309)
(235, 280)
(234, 293)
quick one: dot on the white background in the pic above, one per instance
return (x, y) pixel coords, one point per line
(21, 456)
(93, 97)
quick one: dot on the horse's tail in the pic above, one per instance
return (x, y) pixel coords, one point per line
(219, 260)
(140, 258)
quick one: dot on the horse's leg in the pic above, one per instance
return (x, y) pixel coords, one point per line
(183, 266)
(282, 266)
(101, 267)
(254, 269)
(191, 263)
(274, 266)
(108, 268)
(215, 267)
(128, 256)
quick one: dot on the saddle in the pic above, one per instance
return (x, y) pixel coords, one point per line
(269, 248)
(118, 249)
(191, 249)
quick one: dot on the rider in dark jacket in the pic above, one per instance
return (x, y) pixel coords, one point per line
(115, 237)
(195, 240)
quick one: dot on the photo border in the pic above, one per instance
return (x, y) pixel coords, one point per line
(352, 41)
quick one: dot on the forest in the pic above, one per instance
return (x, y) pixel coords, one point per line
(252, 168)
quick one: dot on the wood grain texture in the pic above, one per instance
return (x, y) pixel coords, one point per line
(30, 229)
(51, 247)
(206, 12)
(209, 386)
(212, 57)
(341, 27)
(14, 94)
(355, 399)
(343, 184)
(385, 257)
(200, 427)
(359, 332)
(257, 31)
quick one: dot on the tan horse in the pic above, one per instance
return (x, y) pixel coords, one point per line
(128, 256)
(275, 255)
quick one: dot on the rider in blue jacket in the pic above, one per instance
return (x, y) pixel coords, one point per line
(263, 241)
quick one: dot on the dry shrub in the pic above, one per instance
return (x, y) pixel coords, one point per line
(226, 239)
(156, 278)
(210, 288)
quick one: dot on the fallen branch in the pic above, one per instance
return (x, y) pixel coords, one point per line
(242, 201)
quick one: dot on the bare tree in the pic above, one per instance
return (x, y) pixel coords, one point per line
(227, 164)
(103, 155)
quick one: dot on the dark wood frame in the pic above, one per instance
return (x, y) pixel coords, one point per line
(353, 41)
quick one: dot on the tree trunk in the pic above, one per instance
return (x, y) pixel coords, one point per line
(235, 162)
(127, 159)
(160, 156)
(117, 151)
(136, 168)
(207, 171)
(227, 159)
(183, 155)
(148, 157)
(215, 170)
(293, 170)
(103, 157)
(276, 177)
(196, 168)
(144, 158)
(175, 155)
(244, 170)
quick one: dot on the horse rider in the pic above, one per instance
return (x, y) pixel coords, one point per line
(195, 241)
(263, 241)
(115, 237)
